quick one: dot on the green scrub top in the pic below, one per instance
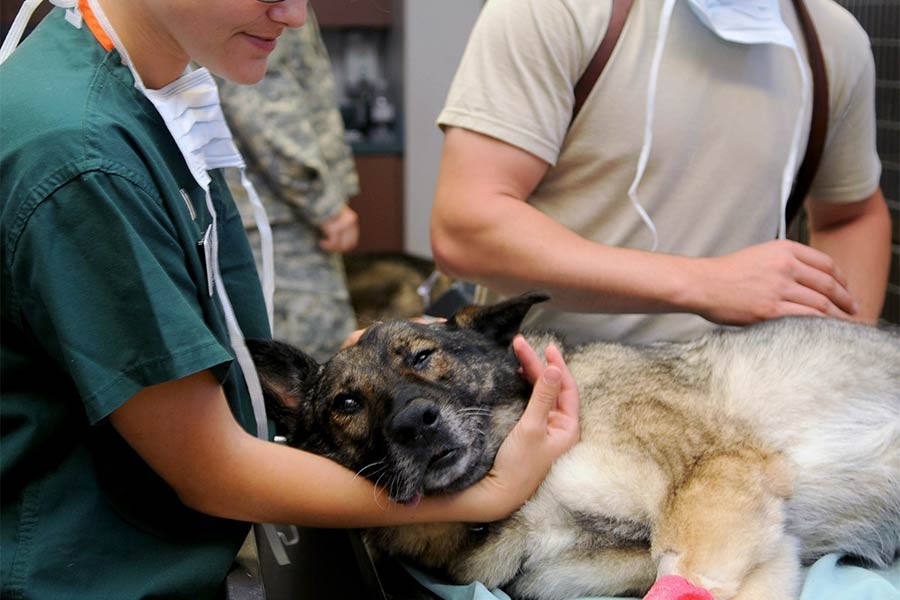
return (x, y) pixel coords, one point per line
(103, 293)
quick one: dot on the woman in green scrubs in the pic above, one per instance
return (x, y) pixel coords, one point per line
(127, 466)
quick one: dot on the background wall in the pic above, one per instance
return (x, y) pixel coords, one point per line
(435, 35)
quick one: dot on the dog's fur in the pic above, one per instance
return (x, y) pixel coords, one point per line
(729, 460)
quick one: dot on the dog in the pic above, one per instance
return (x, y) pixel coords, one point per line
(730, 460)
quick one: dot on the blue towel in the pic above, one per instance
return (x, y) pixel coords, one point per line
(828, 579)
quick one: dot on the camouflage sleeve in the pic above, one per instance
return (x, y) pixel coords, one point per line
(290, 131)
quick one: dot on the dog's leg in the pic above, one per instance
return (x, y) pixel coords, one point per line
(778, 577)
(725, 522)
(585, 572)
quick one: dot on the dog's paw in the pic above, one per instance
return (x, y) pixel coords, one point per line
(673, 564)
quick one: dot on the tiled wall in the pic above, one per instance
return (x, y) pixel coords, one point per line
(881, 20)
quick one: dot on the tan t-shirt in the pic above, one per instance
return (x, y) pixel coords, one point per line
(723, 119)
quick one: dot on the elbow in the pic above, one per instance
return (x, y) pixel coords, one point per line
(452, 255)
(201, 500)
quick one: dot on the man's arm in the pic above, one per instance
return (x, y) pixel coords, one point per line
(483, 230)
(857, 236)
(185, 431)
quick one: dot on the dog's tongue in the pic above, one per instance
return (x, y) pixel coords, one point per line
(414, 501)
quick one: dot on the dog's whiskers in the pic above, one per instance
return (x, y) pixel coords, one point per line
(380, 464)
(474, 411)
(375, 492)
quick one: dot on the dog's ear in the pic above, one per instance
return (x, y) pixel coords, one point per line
(501, 321)
(282, 369)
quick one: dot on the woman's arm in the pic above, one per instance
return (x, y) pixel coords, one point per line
(187, 434)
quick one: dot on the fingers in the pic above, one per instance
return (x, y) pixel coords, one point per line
(338, 240)
(567, 402)
(341, 233)
(555, 357)
(806, 299)
(542, 401)
(824, 288)
(771, 280)
(554, 405)
(820, 261)
(532, 366)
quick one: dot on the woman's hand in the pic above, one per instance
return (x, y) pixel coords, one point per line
(547, 429)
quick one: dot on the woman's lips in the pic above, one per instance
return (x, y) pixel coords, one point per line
(263, 43)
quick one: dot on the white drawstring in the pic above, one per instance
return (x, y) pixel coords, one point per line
(230, 158)
(790, 166)
(266, 244)
(664, 20)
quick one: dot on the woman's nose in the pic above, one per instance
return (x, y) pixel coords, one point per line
(290, 13)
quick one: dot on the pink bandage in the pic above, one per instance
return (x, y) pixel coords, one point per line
(673, 587)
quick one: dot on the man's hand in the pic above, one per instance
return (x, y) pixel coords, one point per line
(771, 280)
(341, 232)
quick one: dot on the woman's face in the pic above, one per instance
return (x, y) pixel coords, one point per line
(232, 38)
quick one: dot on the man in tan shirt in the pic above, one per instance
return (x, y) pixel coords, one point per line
(527, 200)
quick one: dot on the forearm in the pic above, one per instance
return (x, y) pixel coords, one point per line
(264, 482)
(483, 230)
(508, 245)
(861, 247)
(186, 433)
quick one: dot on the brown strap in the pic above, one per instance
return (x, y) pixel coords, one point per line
(620, 10)
(819, 122)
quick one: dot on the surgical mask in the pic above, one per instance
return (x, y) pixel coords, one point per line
(744, 21)
(190, 108)
(738, 21)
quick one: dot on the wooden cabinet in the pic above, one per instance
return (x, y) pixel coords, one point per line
(379, 203)
(354, 13)
(379, 164)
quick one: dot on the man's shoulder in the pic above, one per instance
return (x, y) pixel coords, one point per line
(836, 26)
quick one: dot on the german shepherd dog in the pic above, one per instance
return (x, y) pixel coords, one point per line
(730, 460)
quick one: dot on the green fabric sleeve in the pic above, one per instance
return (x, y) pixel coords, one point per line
(100, 276)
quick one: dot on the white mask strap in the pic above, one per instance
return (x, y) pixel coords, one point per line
(248, 368)
(236, 336)
(17, 29)
(790, 166)
(663, 31)
(266, 245)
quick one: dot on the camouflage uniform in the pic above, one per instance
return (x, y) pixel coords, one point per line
(290, 132)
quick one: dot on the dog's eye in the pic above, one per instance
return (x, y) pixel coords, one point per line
(346, 404)
(420, 360)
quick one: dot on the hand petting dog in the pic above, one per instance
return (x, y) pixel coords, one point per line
(548, 428)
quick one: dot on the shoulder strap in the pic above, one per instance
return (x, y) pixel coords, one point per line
(819, 122)
(617, 18)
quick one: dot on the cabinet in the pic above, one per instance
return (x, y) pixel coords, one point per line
(365, 47)
(380, 202)
(421, 43)
(354, 13)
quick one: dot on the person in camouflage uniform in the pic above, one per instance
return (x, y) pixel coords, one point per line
(289, 129)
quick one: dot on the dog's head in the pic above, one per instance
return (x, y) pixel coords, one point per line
(420, 409)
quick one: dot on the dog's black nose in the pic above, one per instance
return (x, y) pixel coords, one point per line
(416, 423)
